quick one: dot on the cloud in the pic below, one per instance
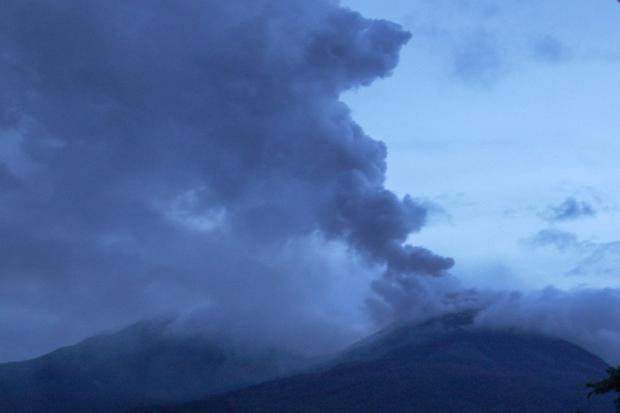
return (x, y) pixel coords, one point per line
(590, 258)
(470, 48)
(562, 240)
(478, 60)
(475, 45)
(600, 259)
(587, 317)
(550, 49)
(569, 209)
(191, 155)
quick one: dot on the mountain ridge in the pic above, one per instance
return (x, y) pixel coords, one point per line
(443, 365)
(144, 363)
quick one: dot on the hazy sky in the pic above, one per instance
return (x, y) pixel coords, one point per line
(293, 173)
(502, 112)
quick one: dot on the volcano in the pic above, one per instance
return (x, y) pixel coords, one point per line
(145, 363)
(445, 365)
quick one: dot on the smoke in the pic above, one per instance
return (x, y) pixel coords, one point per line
(190, 156)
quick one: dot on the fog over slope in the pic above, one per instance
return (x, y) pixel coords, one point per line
(195, 157)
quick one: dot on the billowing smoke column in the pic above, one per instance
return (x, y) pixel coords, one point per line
(151, 143)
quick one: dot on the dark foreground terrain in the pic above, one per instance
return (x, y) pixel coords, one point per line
(441, 366)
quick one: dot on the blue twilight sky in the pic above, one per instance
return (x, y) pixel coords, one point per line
(500, 112)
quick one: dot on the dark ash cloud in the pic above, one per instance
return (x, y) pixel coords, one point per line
(192, 155)
(570, 209)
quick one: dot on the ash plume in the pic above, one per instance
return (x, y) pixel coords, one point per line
(187, 155)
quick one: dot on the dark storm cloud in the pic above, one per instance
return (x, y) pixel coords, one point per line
(173, 155)
(569, 209)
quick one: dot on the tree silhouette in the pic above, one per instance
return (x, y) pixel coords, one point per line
(609, 384)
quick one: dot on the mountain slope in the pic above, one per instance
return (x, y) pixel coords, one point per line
(142, 364)
(443, 366)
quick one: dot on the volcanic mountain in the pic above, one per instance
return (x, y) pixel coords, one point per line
(142, 364)
(445, 365)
